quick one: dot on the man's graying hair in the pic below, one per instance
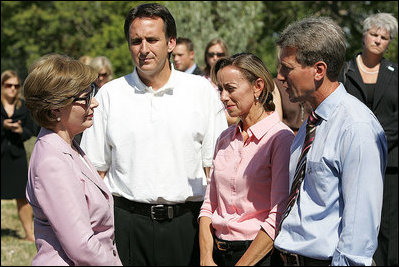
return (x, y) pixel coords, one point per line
(316, 39)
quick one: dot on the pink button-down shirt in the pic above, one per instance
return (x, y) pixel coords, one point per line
(249, 183)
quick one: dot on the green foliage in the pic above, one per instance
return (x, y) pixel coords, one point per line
(30, 29)
(236, 22)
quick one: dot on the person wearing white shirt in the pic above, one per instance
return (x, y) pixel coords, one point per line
(153, 140)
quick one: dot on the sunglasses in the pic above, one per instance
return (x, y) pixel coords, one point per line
(103, 75)
(9, 85)
(212, 54)
(88, 97)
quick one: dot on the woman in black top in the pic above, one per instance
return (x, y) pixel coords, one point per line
(17, 127)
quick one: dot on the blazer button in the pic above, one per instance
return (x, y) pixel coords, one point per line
(114, 251)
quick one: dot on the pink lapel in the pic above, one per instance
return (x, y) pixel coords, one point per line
(91, 174)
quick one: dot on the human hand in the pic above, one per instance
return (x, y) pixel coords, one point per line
(15, 127)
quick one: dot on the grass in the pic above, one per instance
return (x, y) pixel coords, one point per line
(14, 250)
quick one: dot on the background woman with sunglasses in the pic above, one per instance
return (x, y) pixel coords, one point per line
(72, 206)
(17, 127)
(215, 50)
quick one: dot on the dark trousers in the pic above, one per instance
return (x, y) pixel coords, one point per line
(141, 240)
(387, 251)
(230, 258)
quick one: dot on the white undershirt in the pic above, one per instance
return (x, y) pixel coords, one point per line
(155, 143)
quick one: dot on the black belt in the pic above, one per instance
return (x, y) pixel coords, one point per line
(223, 245)
(292, 259)
(157, 212)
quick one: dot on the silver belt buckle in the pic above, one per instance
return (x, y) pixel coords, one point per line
(153, 212)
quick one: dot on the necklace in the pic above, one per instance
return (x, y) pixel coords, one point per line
(359, 64)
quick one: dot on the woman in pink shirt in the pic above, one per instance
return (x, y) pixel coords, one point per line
(249, 185)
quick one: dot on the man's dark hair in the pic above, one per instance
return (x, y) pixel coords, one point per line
(187, 42)
(151, 10)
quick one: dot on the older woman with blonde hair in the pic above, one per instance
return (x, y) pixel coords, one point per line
(17, 127)
(103, 67)
(72, 206)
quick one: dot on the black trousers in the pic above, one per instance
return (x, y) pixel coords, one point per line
(387, 251)
(230, 258)
(142, 241)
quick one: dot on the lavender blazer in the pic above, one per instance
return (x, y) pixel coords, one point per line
(72, 207)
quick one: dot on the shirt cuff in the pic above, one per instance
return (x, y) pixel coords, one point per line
(343, 259)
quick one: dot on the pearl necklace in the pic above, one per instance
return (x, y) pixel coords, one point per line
(359, 64)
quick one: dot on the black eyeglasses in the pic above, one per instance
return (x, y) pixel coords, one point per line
(9, 85)
(88, 97)
(212, 54)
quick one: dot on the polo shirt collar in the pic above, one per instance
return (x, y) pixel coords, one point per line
(166, 89)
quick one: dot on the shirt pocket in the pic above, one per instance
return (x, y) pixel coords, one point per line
(319, 182)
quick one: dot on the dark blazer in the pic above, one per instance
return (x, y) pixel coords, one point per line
(13, 143)
(197, 71)
(385, 103)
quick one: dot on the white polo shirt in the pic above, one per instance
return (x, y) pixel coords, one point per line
(155, 144)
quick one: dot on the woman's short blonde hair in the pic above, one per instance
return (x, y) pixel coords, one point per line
(7, 74)
(100, 62)
(52, 82)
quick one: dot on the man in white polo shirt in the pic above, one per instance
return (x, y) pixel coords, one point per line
(152, 140)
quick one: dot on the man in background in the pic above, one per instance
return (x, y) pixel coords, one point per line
(183, 56)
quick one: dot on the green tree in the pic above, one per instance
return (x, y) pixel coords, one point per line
(236, 22)
(33, 28)
(30, 29)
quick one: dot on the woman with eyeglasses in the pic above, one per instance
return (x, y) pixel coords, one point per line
(72, 207)
(17, 127)
(104, 68)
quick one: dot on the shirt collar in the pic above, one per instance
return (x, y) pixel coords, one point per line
(329, 105)
(190, 70)
(166, 89)
(259, 129)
